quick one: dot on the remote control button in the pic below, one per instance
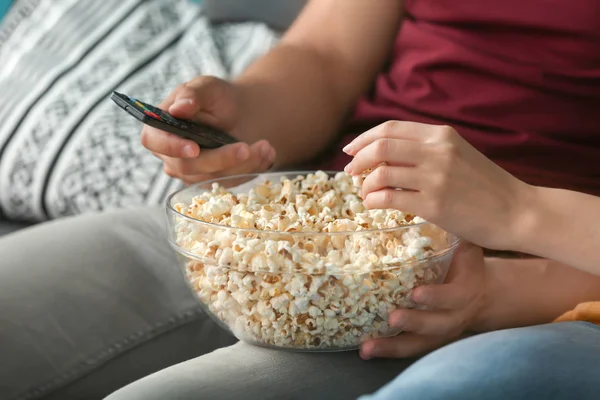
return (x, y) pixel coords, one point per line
(152, 108)
(160, 112)
(151, 114)
(167, 117)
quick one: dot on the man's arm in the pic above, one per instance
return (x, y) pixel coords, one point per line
(299, 93)
(529, 292)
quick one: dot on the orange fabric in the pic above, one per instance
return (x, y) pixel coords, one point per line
(589, 312)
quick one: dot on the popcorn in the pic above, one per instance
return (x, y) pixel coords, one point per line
(357, 180)
(302, 264)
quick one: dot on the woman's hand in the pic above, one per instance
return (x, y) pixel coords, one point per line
(444, 180)
(453, 308)
(214, 102)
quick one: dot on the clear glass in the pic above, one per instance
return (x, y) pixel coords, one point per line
(303, 291)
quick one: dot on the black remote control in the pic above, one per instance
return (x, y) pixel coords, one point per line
(207, 137)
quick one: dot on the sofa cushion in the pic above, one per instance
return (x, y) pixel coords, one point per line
(7, 227)
(277, 13)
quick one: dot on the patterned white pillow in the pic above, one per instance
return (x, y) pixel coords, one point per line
(64, 147)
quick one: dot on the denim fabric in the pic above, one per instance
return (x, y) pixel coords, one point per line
(551, 362)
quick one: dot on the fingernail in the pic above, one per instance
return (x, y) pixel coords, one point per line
(265, 150)
(364, 355)
(396, 321)
(272, 155)
(367, 351)
(243, 153)
(374, 352)
(188, 152)
(348, 148)
(418, 296)
(348, 169)
(180, 102)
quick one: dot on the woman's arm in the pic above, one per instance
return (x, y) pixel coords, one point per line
(456, 187)
(529, 292)
(482, 295)
(561, 225)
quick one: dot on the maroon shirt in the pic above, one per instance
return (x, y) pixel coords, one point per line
(520, 80)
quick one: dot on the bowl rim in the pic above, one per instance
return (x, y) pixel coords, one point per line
(170, 208)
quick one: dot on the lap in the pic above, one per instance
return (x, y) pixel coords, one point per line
(552, 362)
(90, 303)
(250, 372)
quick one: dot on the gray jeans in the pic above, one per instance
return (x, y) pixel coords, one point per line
(92, 303)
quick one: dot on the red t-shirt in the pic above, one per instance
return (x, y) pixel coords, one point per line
(520, 80)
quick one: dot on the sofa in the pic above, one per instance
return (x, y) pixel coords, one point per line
(7, 226)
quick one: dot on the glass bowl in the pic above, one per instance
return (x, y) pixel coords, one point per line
(302, 290)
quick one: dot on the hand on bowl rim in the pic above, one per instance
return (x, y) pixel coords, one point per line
(452, 309)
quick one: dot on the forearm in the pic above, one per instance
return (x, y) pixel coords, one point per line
(299, 93)
(533, 291)
(288, 98)
(560, 225)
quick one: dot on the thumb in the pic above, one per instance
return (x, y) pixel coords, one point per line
(184, 107)
(185, 104)
(202, 94)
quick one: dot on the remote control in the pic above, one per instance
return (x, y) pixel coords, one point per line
(207, 137)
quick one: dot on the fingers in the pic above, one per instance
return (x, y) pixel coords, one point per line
(427, 322)
(187, 102)
(385, 176)
(210, 161)
(446, 296)
(453, 306)
(165, 143)
(423, 331)
(262, 158)
(405, 200)
(391, 151)
(403, 346)
(463, 274)
(200, 94)
(225, 161)
(207, 99)
(168, 144)
(413, 131)
(214, 102)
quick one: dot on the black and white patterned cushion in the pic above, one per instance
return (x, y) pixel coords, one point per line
(64, 147)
